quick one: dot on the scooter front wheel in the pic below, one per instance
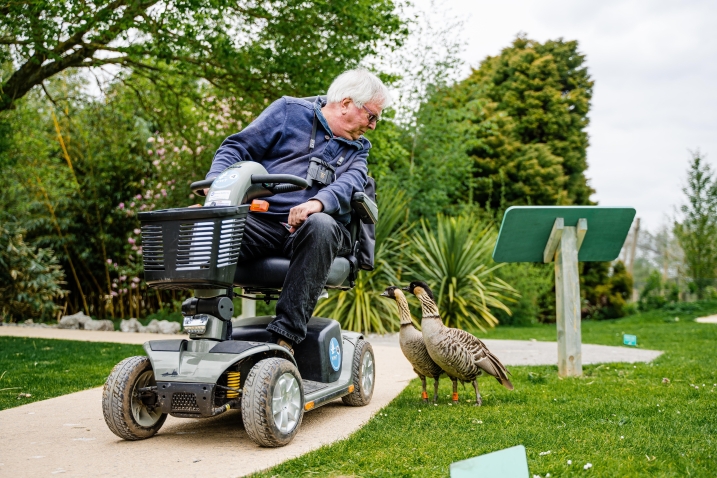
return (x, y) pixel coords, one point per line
(272, 404)
(130, 413)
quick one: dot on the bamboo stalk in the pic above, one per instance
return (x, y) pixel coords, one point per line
(64, 148)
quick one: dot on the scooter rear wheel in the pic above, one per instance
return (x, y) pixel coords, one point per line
(364, 373)
(272, 404)
(128, 414)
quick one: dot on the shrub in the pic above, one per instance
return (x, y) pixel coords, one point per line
(651, 296)
(30, 278)
(533, 282)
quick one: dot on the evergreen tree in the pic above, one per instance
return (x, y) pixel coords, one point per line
(698, 229)
(514, 131)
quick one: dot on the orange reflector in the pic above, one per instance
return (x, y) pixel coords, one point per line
(259, 205)
(309, 406)
(455, 397)
(351, 389)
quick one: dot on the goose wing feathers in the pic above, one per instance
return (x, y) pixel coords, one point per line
(468, 356)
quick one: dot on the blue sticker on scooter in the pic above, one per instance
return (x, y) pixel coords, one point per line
(335, 354)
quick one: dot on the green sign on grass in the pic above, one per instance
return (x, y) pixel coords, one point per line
(565, 236)
(628, 339)
(509, 463)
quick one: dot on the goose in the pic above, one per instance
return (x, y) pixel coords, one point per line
(413, 346)
(461, 355)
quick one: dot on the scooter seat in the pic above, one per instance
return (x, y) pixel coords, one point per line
(270, 272)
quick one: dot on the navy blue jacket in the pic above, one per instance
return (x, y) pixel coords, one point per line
(279, 140)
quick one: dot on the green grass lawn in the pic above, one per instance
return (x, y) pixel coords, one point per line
(609, 418)
(50, 368)
(621, 418)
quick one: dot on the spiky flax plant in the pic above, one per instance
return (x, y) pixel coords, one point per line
(454, 259)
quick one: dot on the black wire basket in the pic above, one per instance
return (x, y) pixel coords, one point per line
(192, 248)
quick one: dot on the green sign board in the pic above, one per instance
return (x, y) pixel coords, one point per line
(509, 463)
(525, 231)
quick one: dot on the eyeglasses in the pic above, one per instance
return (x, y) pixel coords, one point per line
(372, 117)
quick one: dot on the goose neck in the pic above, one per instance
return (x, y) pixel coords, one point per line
(404, 312)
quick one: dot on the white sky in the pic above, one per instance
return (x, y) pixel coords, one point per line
(654, 64)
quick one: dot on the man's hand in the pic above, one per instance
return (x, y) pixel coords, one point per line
(298, 214)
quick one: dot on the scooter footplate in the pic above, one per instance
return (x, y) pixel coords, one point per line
(310, 386)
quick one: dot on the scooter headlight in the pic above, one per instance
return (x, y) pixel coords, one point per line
(196, 324)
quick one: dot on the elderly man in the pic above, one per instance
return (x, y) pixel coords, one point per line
(309, 226)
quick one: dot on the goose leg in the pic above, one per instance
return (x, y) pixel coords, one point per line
(479, 400)
(455, 390)
(435, 390)
(424, 394)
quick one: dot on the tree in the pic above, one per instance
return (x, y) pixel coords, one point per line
(248, 48)
(516, 126)
(698, 229)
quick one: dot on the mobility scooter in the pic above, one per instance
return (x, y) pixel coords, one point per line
(232, 364)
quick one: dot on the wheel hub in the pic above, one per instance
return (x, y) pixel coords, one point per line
(143, 414)
(286, 403)
(367, 373)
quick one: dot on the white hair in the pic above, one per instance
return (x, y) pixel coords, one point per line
(361, 86)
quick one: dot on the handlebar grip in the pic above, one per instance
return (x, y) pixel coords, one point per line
(301, 183)
(286, 188)
(198, 187)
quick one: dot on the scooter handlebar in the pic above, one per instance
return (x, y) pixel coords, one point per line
(280, 180)
(198, 187)
(276, 183)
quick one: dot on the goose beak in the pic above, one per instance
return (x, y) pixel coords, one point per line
(384, 294)
(407, 289)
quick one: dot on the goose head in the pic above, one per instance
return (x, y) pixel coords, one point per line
(418, 287)
(390, 292)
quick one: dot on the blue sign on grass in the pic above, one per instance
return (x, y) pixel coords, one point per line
(628, 339)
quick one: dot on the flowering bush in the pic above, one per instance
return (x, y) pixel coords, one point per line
(177, 160)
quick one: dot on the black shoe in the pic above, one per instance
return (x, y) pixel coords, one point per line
(284, 342)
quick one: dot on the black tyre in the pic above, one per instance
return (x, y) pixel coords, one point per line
(126, 413)
(364, 373)
(272, 405)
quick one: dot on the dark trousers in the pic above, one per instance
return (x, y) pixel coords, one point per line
(312, 249)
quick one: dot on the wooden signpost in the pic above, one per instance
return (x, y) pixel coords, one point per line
(560, 234)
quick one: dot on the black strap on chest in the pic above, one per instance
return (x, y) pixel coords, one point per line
(321, 171)
(312, 141)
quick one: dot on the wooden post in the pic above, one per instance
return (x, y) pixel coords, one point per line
(567, 294)
(633, 246)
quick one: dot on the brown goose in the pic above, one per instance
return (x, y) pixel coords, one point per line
(412, 344)
(462, 356)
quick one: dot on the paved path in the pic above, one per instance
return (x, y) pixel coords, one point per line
(712, 319)
(68, 436)
(533, 352)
